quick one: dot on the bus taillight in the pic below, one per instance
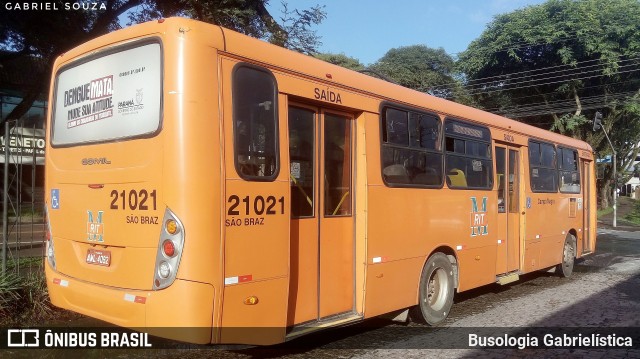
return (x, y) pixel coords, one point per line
(168, 248)
(51, 257)
(169, 251)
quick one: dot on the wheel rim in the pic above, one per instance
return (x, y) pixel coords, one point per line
(568, 255)
(437, 288)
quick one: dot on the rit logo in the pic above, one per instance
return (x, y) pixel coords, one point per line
(479, 219)
(95, 229)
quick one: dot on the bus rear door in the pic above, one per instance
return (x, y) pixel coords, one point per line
(509, 197)
(322, 225)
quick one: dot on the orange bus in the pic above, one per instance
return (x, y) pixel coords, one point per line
(218, 186)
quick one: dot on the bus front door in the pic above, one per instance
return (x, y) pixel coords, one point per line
(586, 190)
(322, 247)
(509, 193)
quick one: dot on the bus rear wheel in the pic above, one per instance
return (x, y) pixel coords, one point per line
(565, 268)
(435, 292)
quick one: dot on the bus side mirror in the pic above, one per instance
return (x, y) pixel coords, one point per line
(597, 122)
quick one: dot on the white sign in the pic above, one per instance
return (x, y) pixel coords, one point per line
(26, 145)
(111, 97)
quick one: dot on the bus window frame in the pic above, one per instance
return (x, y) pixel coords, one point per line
(560, 169)
(487, 142)
(531, 167)
(382, 123)
(102, 53)
(276, 129)
(316, 115)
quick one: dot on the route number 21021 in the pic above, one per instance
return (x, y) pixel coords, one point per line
(259, 205)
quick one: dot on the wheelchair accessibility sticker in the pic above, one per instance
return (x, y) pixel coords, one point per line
(55, 199)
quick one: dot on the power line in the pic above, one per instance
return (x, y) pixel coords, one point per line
(548, 83)
(567, 72)
(581, 89)
(512, 75)
(563, 107)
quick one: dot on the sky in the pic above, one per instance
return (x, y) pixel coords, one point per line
(367, 29)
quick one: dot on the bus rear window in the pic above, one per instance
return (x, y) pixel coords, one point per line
(112, 96)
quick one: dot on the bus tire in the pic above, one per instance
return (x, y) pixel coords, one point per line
(435, 296)
(565, 268)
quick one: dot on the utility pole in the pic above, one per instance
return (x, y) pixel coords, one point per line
(5, 199)
(597, 124)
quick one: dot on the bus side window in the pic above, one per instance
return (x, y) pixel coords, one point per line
(255, 123)
(468, 160)
(301, 155)
(569, 175)
(542, 160)
(411, 149)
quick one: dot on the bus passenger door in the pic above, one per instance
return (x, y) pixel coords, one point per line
(322, 247)
(509, 189)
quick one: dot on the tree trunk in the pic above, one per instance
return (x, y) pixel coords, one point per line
(605, 195)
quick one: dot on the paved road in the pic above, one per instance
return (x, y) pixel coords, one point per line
(603, 294)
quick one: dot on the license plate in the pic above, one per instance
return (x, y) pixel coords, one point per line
(98, 257)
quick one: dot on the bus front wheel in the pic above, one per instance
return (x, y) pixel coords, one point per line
(435, 292)
(565, 268)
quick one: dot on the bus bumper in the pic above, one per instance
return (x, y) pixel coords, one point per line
(183, 311)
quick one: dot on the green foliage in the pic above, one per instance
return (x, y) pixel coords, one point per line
(36, 296)
(341, 60)
(604, 211)
(561, 57)
(420, 68)
(568, 123)
(24, 298)
(553, 65)
(44, 34)
(634, 215)
(249, 17)
(10, 288)
(296, 25)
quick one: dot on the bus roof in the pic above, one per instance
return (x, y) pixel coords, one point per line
(293, 62)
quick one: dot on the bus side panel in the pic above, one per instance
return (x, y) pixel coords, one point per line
(259, 324)
(476, 267)
(546, 221)
(410, 223)
(192, 160)
(190, 324)
(256, 238)
(398, 277)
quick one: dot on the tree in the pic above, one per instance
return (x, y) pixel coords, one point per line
(249, 17)
(341, 60)
(420, 68)
(45, 34)
(553, 65)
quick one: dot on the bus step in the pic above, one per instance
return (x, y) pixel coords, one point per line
(508, 278)
(325, 323)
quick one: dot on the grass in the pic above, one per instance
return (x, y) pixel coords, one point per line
(24, 298)
(25, 262)
(634, 215)
(605, 211)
